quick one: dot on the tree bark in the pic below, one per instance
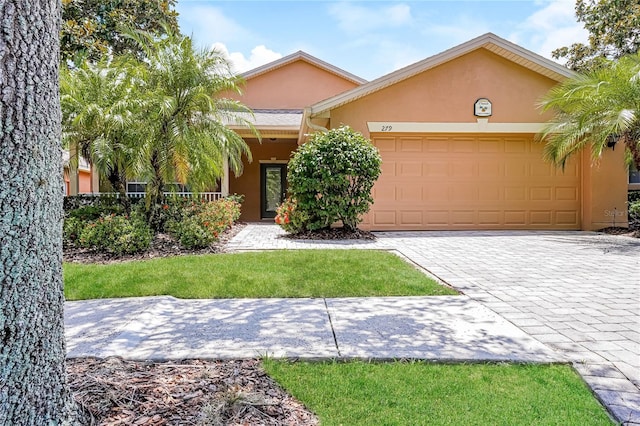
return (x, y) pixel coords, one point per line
(33, 389)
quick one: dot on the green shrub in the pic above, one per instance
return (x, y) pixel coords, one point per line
(634, 212)
(191, 233)
(238, 198)
(73, 202)
(71, 231)
(93, 212)
(290, 218)
(116, 235)
(202, 222)
(331, 177)
(172, 210)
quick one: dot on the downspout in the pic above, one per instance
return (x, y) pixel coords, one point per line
(315, 126)
(307, 118)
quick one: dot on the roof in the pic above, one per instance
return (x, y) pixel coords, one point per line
(271, 122)
(488, 41)
(273, 118)
(303, 56)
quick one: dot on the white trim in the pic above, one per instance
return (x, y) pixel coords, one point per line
(273, 161)
(224, 182)
(482, 126)
(300, 55)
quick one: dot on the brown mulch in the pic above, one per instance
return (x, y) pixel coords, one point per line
(331, 234)
(615, 230)
(162, 245)
(113, 391)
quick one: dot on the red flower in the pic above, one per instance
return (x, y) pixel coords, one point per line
(165, 207)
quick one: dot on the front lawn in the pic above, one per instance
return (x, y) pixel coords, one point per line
(282, 273)
(359, 393)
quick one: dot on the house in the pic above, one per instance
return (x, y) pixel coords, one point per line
(456, 133)
(78, 179)
(278, 93)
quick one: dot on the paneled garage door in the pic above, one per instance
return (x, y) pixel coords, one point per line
(471, 182)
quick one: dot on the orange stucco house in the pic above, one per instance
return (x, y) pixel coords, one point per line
(80, 178)
(456, 134)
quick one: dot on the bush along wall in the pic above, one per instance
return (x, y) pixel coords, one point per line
(330, 180)
(97, 224)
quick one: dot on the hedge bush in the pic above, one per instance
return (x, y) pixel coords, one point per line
(203, 222)
(111, 234)
(98, 224)
(331, 177)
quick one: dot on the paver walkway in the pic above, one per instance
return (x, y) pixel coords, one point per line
(577, 292)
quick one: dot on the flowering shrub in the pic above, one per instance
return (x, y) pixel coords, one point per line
(331, 177)
(116, 235)
(194, 223)
(290, 218)
(203, 222)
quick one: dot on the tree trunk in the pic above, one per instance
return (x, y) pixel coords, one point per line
(33, 389)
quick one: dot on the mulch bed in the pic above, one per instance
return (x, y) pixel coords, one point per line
(113, 391)
(627, 232)
(331, 234)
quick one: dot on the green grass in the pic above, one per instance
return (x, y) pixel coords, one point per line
(282, 273)
(359, 393)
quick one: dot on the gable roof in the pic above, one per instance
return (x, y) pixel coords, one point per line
(302, 56)
(489, 41)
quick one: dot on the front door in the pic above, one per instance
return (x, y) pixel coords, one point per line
(273, 188)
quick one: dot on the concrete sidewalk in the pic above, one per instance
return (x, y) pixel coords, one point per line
(451, 328)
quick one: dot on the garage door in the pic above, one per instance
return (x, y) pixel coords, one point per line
(471, 182)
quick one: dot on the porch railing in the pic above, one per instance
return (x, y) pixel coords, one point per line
(208, 196)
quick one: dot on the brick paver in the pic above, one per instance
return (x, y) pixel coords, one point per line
(577, 292)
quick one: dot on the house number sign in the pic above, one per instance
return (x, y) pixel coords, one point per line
(482, 108)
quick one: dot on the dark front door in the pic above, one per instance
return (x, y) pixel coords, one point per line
(273, 188)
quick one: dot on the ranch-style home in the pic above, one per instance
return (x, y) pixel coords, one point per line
(456, 133)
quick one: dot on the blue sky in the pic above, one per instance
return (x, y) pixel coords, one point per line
(372, 38)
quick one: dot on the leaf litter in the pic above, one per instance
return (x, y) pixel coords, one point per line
(114, 391)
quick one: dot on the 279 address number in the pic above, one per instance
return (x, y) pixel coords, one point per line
(386, 128)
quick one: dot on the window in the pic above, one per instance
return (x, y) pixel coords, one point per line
(634, 175)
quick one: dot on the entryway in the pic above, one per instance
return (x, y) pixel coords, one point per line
(273, 188)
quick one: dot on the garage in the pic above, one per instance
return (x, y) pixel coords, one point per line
(474, 181)
(456, 132)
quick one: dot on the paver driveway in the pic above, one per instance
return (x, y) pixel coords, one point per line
(577, 292)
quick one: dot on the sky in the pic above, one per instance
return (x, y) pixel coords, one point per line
(371, 38)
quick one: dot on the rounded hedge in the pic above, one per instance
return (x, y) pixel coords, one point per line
(331, 176)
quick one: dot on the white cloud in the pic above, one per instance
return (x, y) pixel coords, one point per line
(260, 55)
(208, 24)
(551, 27)
(355, 19)
(462, 29)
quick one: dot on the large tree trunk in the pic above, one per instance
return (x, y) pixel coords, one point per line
(33, 389)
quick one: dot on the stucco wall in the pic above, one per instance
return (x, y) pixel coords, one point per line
(605, 190)
(292, 86)
(249, 182)
(447, 93)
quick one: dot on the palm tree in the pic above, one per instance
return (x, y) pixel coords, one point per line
(598, 108)
(100, 112)
(188, 138)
